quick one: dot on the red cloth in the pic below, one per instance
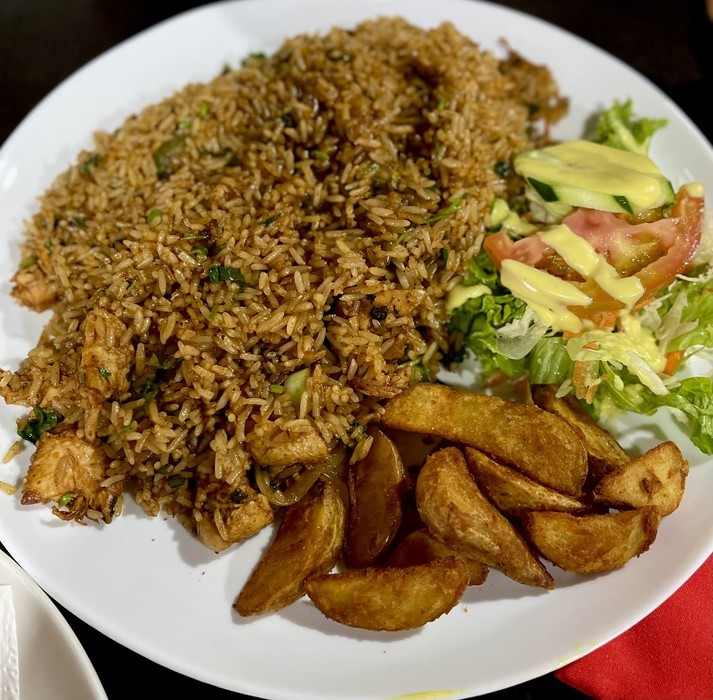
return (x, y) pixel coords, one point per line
(667, 656)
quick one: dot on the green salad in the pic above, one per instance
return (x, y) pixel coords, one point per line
(596, 278)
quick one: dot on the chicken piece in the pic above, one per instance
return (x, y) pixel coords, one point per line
(105, 363)
(401, 302)
(387, 384)
(68, 470)
(281, 448)
(239, 522)
(33, 289)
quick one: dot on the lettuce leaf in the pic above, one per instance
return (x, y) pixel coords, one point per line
(474, 325)
(693, 397)
(617, 127)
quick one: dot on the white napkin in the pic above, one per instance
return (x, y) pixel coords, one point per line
(9, 666)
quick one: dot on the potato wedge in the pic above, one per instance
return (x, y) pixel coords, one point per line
(512, 492)
(604, 453)
(537, 443)
(309, 540)
(590, 544)
(657, 478)
(459, 515)
(419, 547)
(390, 598)
(377, 486)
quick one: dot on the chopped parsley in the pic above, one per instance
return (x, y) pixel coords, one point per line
(148, 393)
(271, 219)
(89, 163)
(42, 422)
(175, 481)
(104, 372)
(221, 273)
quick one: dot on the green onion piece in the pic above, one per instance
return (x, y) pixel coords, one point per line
(65, 499)
(104, 372)
(220, 273)
(203, 109)
(185, 124)
(195, 236)
(320, 155)
(200, 251)
(295, 385)
(49, 245)
(42, 422)
(277, 389)
(88, 164)
(175, 481)
(442, 103)
(27, 263)
(153, 215)
(271, 219)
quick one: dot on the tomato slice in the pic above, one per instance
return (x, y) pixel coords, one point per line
(655, 252)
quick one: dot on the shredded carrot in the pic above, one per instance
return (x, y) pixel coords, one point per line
(580, 376)
(496, 379)
(673, 360)
(606, 320)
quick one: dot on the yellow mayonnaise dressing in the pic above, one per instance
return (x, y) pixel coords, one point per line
(460, 294)
(596, 168)
(548, 296)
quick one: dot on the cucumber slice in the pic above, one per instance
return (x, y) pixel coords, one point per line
(585, 174)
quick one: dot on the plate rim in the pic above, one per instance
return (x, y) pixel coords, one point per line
(124, 45)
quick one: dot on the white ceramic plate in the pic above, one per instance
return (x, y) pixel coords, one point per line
(147, 584)
(53, 664)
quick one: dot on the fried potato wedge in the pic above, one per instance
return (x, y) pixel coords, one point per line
(590, 544)
(604, 453)
(536, 442)
(390, 598)
(512, 492)
(419, 547)
(377, 485)
(309, 540)
(459, 515)
(657, 478)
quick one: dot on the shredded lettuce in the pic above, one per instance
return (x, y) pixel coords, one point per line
(619, 128)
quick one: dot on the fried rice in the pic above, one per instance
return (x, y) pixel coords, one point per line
(240, 275)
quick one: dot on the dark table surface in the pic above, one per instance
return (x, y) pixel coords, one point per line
(44, 41)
